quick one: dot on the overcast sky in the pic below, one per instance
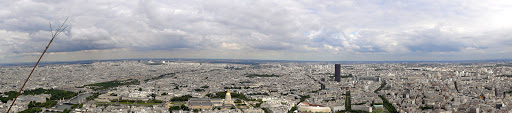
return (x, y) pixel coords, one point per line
(314, 30)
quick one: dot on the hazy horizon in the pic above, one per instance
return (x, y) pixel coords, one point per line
(206, 60)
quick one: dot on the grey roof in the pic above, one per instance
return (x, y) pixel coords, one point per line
(200, 103)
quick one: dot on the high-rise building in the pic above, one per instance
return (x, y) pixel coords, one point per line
(337, 74)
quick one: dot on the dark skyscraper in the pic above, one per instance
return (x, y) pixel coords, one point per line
(337, 73)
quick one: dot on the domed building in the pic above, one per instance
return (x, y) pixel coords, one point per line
(227, 99)
(228, 103)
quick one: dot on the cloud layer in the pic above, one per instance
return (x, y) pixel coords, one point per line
(261, 29)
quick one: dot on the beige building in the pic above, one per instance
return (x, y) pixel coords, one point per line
(206, 103)
(227, 99)
(306, 107)
(228, 103)
(199, 103)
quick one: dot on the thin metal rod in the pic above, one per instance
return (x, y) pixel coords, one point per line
(60, 29)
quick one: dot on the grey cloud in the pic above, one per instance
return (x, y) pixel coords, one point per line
(386, 27)
(435, 40)
(357, 41)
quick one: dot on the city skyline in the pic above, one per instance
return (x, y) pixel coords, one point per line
(263, 30)
(224, 87)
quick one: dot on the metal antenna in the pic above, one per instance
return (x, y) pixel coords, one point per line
(57, 32)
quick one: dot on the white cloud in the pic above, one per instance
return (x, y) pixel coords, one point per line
(385, 29)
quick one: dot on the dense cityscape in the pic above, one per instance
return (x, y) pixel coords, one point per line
(162, 86)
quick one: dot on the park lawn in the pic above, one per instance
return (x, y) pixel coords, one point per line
(148, 103)
(177, 103)
(128, 103)
(380, 111)
(124, 102)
